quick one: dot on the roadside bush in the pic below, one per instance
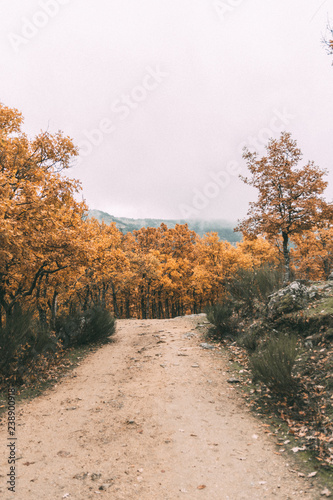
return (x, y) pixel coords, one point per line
(98, 325)
(68, 328)
(255, 334)
(274, 362)
(80, 328)
(22, 343)
(250, 340)
(221, 316)
(253, 286)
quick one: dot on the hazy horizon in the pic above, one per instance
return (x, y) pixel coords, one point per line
(211, 219)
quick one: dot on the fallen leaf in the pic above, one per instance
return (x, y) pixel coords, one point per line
(297, 449)
(201, 487)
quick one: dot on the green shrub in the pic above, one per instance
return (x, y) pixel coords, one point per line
(22, 343)
(249, 340)
(274, 362)
(85, 327)
(98, 325)
(68, 328)
(221, 316)
(254, 335)
(252, 286)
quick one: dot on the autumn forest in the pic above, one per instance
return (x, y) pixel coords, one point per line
(55, 262)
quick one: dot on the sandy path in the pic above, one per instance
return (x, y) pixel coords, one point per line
(140, 419)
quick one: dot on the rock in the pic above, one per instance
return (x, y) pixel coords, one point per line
(207, 346)
(291, 298)
(233, 380)
(64, 454)
(81, 476)
(95, 476)
(189, 335)
(104, 487)
(330, 278)
(313, 292)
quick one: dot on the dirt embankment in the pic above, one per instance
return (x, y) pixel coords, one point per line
(149, 417)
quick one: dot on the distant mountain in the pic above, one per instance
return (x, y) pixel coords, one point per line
(223, 228)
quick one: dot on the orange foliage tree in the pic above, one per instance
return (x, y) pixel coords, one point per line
(313, 253)
(289, 200)
(52, 257)
(39, 217)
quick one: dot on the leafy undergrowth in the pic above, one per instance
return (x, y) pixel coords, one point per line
(305, 403)
(306, 410)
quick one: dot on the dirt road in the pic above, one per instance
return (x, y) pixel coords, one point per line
(149, 417)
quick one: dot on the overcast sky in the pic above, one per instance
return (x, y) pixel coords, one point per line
(161, 95)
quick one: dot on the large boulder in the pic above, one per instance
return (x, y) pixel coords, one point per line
(291, 298)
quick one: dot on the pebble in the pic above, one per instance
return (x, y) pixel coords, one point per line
(207, 346)
(104, 487)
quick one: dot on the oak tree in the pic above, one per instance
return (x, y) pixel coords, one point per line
(290, 197)
(39, 216)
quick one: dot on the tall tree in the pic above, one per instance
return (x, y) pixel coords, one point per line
(39, 217)
(289, 200)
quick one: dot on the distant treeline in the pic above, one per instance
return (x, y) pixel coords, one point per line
(223, 228)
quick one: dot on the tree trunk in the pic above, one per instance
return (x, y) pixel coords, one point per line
(54, 308)
(148, 297)
(115, 305)
(143, 303)
(327, 267)
(127, 305)
(167, 309)
(286, 257)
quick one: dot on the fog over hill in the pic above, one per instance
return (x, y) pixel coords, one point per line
(225, 229)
